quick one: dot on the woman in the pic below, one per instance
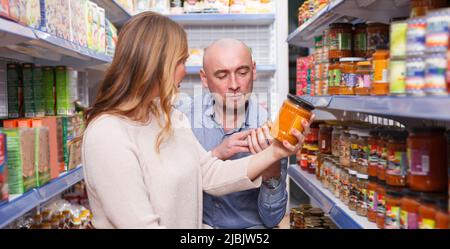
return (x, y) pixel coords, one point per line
(143, 166)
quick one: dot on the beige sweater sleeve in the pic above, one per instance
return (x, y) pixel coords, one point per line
(115, 176)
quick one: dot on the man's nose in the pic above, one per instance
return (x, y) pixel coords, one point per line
(234, 85)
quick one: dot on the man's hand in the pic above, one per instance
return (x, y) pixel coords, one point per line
(232, 145)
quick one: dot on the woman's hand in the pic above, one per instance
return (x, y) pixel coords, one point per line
(285, 149)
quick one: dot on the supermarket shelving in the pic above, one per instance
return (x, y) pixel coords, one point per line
(114, 11)
(429, 107)
(223, 19)
(19, 206)
(260, 69)
(338, 212)
(25, 44)
(369, 10)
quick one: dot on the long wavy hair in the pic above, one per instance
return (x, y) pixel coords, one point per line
(149, 48)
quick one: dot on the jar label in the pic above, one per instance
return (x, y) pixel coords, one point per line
(382, 161)
(361, 42)
(380, 69)
(354, 153)
(349, 79)
(377, 39)
(373, 157)
(427, 223)
(363, 158)
(392, 217)
(381, 204)
(323, 144)
(341, 41)
(372, 200)
(363, 80)
(408, 220)
(419, 162)
(397, 163)
(362, 198)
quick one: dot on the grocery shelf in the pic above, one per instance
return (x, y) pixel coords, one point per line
(369, 10)
(19, 206)
(428, 107)
(28, 45)
(338, 212)
(223, 19)
(114, 11)
(260, 69)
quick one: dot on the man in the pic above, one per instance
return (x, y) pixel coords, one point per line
(226, 121)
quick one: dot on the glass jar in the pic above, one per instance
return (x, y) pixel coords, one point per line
(363, 147)
(397, 165)
(291, 115)
(344, 155)
(360, 40)
(382, 155)
(326, 171)
(353, 190)
(377, 36)
(344, 193)
(354, 150)
(349, 79)
(372, 199)
(393, 203)
(381, 205)
(340, 40)
(427, 156)
(364, 76)
(335, 140)
(337, 181)
(361, 207)
(334, 77)
(331, 178)
(325, 132)
(304, 157)
(380, 62)
(319, 168)
(427, 212)
(313, 151)
(409, 210)
(373, 156)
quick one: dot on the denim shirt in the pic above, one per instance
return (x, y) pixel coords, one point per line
(255, 208)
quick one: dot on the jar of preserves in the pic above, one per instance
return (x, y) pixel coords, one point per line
(397, 165)
(380, 64)
(326, 172)
(313, 151)
(364, 75)
(382, 155)
(372, 199)
(377, 36)
(427, 212)
(381, 205)
(304, 157)
(353, 190)
(325, 133)
(344, 155)
(393, 203)
(344, 193)
(337, 181)
(442, 215)
(361, 207)
(293, 111)
(360, 40)
(427, 157)
(373, 156)
(409, 210)
(348, 71)
(334, 77)
(354, 150)
(340, 40)
(362, 163)
(335, 140)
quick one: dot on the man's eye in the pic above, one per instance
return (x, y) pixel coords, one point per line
(221, 76)
(243, 73)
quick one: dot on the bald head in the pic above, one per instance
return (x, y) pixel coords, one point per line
(226, 46)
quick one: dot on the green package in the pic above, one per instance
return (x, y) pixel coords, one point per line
(28, 93)
(42, 155)
(13, 84)
(62, 90)
(48, 93)
(38, 90)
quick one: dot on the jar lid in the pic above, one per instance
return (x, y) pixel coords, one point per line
(352, 59)
(301, 102)
(424, 129)
(341, 25)
(364, 64)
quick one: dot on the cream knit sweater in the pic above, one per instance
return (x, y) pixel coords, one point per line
(130, 186)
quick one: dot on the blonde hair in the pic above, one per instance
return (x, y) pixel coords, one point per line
(149, 48)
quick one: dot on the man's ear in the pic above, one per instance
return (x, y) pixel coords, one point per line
(254, 70)
(203, 78)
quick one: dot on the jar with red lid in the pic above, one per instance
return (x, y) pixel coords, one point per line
(427, 156)
(303, 163)
(325, 144)
(409, 210)
(340, 40)
(312, 158)
(381, 205)
(373, 156)
(393, 203)
(397, 165)
(372, 199)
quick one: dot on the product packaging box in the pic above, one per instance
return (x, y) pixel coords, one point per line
(55, 161)
(28, 93)
(33, 13)
(111, 39)
(13, 79)
(102, 31)
(90, 22)
(38, 91)
(78, 9)
(49, 16)
(48, 85)
(42, 155)
(4, 191)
